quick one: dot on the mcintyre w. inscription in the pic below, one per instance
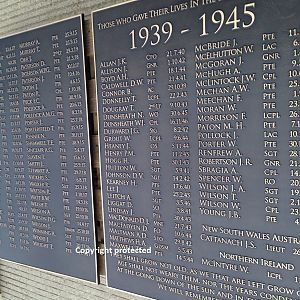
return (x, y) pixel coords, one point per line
(46, 210)
(199, 105)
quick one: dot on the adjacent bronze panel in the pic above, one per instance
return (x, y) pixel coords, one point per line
(46, 208)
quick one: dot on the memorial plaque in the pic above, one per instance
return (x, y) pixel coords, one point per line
(46, 211)
(199, 105)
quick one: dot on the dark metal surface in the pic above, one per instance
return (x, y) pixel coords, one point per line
(46, 188)
(199, 133)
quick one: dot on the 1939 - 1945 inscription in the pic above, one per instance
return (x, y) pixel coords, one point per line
(46, 210)
(199, 106)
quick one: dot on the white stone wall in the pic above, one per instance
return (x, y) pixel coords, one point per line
(19, 15)
(20, 282)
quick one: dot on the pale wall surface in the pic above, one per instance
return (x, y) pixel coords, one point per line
(20, 282)
(18, 15)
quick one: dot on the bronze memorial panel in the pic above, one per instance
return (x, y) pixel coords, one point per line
(199, 109)
(46, 208)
